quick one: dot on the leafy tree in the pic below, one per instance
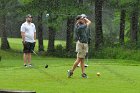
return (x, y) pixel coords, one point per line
(69, 37)
(134, 22)
(98, 24)
(122, 26)
(40, 7)
(130, 6)
(6, 7)
(71, 22)
(126, 7)
(73, 8)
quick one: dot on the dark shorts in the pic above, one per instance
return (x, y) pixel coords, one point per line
(28, 47)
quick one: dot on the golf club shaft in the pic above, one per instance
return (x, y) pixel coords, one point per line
(34, 52)
(87, 58)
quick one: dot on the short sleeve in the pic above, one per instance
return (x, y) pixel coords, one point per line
(34, 28)
(22, 29)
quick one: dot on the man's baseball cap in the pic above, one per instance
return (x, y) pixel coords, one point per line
(78, 17)
(83, 15)
(29, 15)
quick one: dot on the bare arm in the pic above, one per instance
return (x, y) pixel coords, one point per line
(88, 22)
(35, 36)
(23, 36)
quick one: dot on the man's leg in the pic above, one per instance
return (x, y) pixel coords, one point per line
(75, 64)
(70, 72)
(29, 58)
(82, 65)
(25, 58)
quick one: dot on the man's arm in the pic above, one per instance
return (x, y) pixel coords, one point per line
(22, 29)
(23, 36)
(35, 36)
(88, 22)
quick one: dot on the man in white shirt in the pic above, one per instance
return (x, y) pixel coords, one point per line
(28, 33)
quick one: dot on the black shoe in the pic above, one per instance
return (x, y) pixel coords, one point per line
(25, 65)
(70, 73)
(84, 75)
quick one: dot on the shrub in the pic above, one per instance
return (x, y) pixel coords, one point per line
(104, 53)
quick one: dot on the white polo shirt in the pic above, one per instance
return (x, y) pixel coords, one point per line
(29, 30)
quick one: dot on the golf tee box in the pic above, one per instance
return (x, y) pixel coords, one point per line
(16, 91)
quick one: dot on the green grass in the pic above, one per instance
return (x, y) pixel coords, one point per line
(117, 76)
(16, 43)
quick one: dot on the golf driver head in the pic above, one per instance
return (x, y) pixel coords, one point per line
(46, 66)
(47, 15)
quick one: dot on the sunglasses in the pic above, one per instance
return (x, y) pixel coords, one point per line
(29, 17)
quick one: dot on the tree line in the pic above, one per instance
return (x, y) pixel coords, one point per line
(127, 10)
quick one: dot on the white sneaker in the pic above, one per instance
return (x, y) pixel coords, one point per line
(80, 65)
(30, 65)
(86, 65)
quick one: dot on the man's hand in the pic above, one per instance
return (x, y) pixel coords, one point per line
(88, 22)
(34, 42)
(23, 42)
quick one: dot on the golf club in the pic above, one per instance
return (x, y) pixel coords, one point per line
(42, 71)
(46, 66)
(35, 53)
(47, 15)
(86, 65)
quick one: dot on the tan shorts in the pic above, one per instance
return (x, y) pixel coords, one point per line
(81, 49)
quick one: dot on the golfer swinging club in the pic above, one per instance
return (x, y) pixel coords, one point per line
(89, 37)
(81, 36)
(28, 33)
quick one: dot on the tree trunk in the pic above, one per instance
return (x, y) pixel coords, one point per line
(134, 27)
(4, 41)
(80, 1)
(40, 33)
(98, 24)
(51, 39)
(69, 38)
(122, 26)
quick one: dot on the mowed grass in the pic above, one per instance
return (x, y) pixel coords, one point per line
(16, 43)
(117, 76)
